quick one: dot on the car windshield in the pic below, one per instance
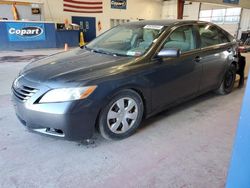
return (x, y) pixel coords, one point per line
(126, 40)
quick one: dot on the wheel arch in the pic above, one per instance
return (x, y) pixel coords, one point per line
(225, 70)
(235, 64)
(143, 93)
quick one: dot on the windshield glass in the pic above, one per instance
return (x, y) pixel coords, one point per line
(127, 40)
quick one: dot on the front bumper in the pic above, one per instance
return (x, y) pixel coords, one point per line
(73, 120)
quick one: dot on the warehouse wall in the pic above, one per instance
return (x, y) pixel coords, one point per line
(136, 9)
(231, 28)
(169, 9)
(191, 10)
(245, 21)
(24, 12)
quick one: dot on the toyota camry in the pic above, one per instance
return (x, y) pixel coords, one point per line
(125, 75)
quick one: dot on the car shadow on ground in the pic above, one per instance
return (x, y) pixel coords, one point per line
(181, 107)
(178, 108)
(97, 139)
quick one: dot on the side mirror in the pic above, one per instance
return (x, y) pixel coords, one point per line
(169, 52)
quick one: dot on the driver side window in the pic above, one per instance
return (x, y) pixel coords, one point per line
(181, 38)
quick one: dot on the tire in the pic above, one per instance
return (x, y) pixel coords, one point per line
(122, 116)
(227, 84)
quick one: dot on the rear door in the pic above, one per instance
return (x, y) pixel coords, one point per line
(216, 51)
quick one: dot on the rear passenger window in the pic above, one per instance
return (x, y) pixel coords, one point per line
(209, 35)
(182, 38)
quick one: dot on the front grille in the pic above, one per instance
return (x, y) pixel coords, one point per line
(23, 93)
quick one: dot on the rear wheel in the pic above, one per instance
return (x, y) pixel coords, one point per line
(228, 81)
(123, 114)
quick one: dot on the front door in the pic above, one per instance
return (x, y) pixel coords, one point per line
(177, 78)
(88, 25)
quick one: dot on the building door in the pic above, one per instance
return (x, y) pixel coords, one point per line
(88, 24)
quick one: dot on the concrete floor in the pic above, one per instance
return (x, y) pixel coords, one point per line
(188, 146)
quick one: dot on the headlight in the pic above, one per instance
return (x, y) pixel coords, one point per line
(67, 94)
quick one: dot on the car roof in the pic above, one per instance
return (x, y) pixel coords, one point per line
(164, 22)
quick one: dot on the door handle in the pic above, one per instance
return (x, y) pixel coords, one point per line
(197, 59)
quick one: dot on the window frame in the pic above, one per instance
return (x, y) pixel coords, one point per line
(195, 34)
(219, 30)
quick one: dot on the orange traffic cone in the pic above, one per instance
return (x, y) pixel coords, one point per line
(82, 42)
(66, 47)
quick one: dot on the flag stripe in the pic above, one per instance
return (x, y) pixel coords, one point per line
(82, 7)
(81, 11)
(84, 2)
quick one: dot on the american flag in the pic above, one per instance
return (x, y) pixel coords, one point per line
(82, 6)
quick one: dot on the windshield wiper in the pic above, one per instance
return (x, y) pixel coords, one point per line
(95, 50)
(123, 55)
(103, 52)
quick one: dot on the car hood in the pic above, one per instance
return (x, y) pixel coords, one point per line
(73, 66)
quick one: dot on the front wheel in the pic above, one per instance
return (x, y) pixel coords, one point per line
(123, 114)
(227, 84)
